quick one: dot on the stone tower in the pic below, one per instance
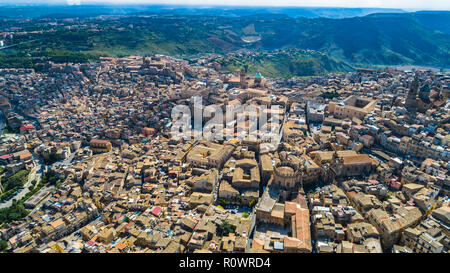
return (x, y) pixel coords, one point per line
(242, 78)
(410, 103)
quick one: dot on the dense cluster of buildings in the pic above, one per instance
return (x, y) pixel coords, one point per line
(363, 171)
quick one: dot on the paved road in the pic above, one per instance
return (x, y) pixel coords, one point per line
(2, 122)
(35, 173)
(66, 162)
(9, 46)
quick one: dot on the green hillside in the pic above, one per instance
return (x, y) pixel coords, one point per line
(377, 39)
(285, 64)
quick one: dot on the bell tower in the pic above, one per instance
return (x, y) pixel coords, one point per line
(410, 103)
(242, 78)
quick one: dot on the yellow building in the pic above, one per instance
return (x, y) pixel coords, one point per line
(352, 107)
(100, 145)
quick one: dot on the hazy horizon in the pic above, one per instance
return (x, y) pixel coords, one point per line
(407, 5)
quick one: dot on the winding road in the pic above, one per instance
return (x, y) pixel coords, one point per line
(35, 173)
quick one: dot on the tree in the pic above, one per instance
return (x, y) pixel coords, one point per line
(51, 158)
(225, 228)
(50, 177)
(16, 180)
(245, 215)
(12, 213)
(3, 245)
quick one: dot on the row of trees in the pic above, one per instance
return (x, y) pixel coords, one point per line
(223, 203)
(16, 180)
(12, 183)
(17, 211)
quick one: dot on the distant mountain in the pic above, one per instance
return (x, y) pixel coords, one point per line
(294, 12)
(436, 20)
(36, 11)
(366, 40)
(40, 9)
(375, 39)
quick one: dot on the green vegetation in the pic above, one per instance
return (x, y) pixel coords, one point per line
(50, 158)
(64, 56)
(59, 184)
(225, 228)
(7, 194)
(8, 129)
(291, 63)
(12, 183)
(239, 198)
(31, 193)
(13, 213)
(245, 215)
(369, 40)
(51, 177)
(17, 211)
(386, 197)
(24, 61)
(220, 207)
(3, 245)
(15, 60)
(329, 95)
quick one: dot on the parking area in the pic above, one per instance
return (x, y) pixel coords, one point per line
(238, 210)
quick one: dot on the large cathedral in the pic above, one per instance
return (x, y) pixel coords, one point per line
(418, 99)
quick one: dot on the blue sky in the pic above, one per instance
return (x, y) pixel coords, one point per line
(403, 4)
